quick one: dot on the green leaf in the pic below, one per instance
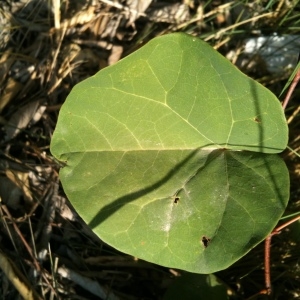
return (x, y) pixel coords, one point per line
(153, 161)
(196, 287)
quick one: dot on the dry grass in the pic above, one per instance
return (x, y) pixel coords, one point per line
(46, 47)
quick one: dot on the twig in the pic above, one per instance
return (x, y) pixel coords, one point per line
(294, 114)
(27, 247)
(267, 253)
(17, 278)
(267, 264)
(233, 26)
(291, 89)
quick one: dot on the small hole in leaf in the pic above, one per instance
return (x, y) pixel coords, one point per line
(205, 241)
(257, 120)
(176, 199)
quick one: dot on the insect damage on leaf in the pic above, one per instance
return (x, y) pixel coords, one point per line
(205, 241)
(176, 199)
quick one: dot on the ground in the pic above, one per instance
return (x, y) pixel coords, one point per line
(47, 47)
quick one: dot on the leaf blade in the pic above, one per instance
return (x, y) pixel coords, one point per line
(144, 140)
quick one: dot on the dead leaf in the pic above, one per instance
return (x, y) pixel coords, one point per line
(20, 179)
(12, 88)
(22, 118)
(116, 53)
(136, 8)
(10, 194)
(168, 13)
(80, 18)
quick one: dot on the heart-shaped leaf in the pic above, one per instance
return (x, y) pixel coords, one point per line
(152, 165)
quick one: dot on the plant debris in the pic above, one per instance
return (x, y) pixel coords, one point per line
(47, 47)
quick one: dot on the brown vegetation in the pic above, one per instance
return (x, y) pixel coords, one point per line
(46, 47)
